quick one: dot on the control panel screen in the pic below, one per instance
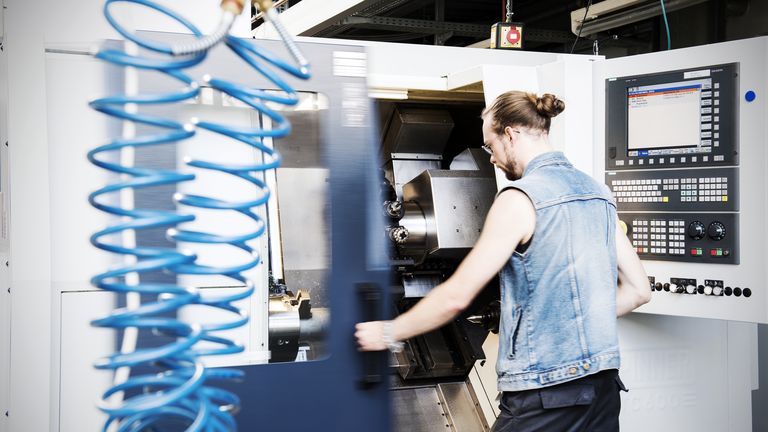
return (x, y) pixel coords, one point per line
(684, 118)
(666, 115)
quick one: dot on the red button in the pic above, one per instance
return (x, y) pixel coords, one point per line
(693, 252)
(713, 252)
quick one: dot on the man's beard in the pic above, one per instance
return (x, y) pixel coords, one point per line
(512, 172)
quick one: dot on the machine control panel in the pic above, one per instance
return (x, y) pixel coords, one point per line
(672, 163)
(688, 237)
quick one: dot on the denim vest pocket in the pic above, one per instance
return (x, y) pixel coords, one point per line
(567, 396)
(518, 315)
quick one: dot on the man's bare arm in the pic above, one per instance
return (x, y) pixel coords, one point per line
(633, 287)
(510, 220)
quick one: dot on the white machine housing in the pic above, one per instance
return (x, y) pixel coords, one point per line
(47, 382)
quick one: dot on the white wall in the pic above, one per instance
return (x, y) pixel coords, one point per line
(5, 296)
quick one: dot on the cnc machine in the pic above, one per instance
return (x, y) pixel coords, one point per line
(382, 192)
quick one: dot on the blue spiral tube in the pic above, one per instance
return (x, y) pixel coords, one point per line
(182, 391)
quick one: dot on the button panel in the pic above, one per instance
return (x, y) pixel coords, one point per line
(665, 236)
(709, 288)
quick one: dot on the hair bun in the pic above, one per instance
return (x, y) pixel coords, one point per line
(549, 105)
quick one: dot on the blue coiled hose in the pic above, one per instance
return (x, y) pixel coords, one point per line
(181, 392)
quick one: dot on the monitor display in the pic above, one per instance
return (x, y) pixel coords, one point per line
(665, 115)
(669, 119)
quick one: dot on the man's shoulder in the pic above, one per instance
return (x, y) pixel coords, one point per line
(515, 199)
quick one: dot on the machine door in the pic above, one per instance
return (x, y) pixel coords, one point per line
(324, 265)
(333, 251)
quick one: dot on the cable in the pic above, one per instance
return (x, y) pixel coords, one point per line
(666, 24)
(182, 390)
(586, 11)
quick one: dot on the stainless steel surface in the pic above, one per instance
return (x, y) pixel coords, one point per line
(312, 281)
(405, 170)
(417, 286)
(454, 204)
(418, 410)
(284, 324)
(301, 149)
(314, 328)
(303, 202)
(415, 222)
(441, 407)
(462, 407)
(473, 159)
(292, 323)
(417, 130)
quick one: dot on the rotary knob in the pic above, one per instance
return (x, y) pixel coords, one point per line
(717, 291)
(716, 231)
(696, 230)
(677, 289)
(707, 290)
(690, 289)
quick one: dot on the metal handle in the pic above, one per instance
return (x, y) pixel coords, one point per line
(373, 361)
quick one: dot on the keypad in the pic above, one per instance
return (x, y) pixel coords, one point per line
(639, 191)
(689, 189)
(658, 236)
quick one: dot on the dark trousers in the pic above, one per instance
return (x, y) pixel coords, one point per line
(588, 404)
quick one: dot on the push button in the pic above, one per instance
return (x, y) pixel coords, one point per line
(696, 252)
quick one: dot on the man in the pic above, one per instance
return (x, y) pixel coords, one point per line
(567, 271)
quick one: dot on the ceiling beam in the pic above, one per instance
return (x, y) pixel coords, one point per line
(417, 26)
(311, 16)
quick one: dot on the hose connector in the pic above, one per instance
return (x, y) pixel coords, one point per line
(264, 5)
(234, 6)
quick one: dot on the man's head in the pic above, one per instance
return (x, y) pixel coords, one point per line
(516, 128)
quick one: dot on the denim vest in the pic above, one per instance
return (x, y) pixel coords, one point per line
(558, 294)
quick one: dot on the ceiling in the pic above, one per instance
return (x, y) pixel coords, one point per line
(464, 23)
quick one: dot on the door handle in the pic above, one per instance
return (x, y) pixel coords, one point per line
(373, 361)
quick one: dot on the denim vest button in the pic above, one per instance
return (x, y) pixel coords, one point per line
(585, 366)
(572, 371)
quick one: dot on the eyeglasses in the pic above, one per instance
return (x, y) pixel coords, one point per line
(489, 150)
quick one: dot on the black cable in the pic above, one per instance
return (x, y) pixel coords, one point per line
(581, 26)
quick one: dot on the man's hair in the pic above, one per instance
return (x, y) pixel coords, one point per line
(522, 109)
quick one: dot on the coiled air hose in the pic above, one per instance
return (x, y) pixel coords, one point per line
(182, 391)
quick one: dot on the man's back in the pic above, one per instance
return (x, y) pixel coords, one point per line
(559, 289)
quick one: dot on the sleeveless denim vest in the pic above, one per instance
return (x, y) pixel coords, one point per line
(558, 294)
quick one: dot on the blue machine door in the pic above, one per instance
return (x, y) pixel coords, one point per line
(339, 388)
(332, 250)
(324, 265)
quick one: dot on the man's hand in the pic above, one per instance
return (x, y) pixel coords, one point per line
(370, 336)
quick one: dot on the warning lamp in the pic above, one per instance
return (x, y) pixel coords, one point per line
(507, 35)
